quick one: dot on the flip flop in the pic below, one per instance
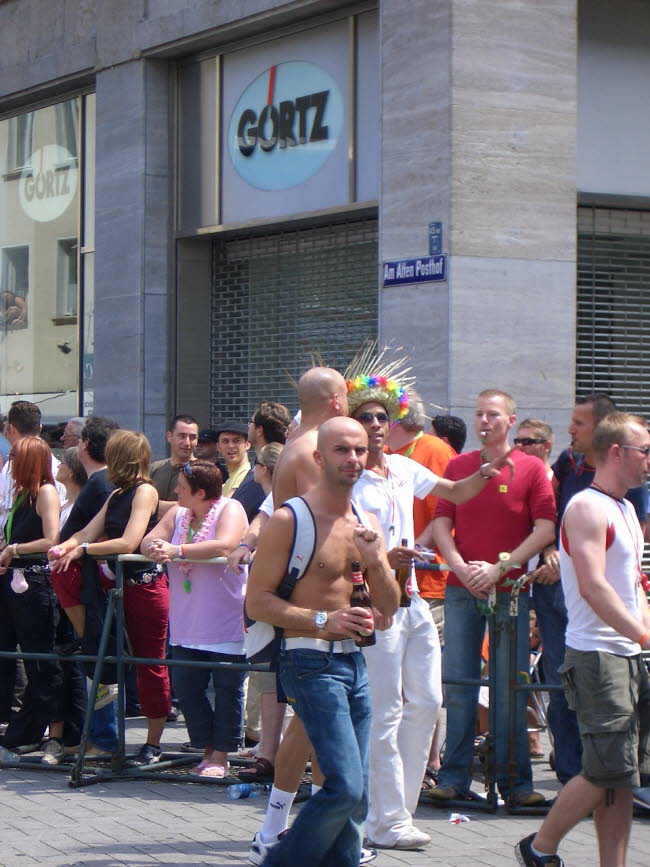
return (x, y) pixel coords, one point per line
(215, 771)
(261, 771)
(204, 763)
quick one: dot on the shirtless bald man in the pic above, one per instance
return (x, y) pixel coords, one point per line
(322, 393)
(321, 667)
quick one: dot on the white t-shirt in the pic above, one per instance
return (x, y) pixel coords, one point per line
(267, 505)
(390, 498)
(624, 550)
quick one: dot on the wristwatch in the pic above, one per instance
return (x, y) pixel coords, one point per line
(320, 619)
(481, 468)
(84, 547)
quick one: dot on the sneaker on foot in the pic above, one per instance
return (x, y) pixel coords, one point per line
(410, 839)
(106, 693)
(367, 855)
(527, 858)
(146, 755)
(52, 751)
(259, 850)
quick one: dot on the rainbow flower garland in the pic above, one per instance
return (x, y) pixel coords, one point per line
(397, 395)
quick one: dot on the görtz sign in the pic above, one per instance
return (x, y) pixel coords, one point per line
(285, 125)
(48, 183)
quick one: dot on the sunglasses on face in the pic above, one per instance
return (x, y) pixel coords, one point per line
(528, 441)
(367, 417)
(645, 450)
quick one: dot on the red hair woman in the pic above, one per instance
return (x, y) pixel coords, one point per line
(25, 589)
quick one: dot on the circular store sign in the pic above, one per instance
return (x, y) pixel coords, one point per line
(285, 125)
(48, 183)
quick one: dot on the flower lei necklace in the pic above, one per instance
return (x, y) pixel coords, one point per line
(200, 536)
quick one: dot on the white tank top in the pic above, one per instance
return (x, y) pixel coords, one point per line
(624, 549)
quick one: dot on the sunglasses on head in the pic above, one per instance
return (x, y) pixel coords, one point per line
(367, 417)
(528, 441)
(187, 470)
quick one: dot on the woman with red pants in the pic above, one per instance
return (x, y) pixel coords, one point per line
(127, 516)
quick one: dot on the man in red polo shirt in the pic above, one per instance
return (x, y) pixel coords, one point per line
(484, 541)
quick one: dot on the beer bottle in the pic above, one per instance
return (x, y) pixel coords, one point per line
(360, 598)
(403, 576)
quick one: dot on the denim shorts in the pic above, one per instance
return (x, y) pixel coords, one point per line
(611, 697)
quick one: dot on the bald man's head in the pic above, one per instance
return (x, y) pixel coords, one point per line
(322, 390)
(337, 427)
(342, 451)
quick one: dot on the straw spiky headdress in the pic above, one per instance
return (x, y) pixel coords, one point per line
(373, 376)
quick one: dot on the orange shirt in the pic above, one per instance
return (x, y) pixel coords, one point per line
(434, 454)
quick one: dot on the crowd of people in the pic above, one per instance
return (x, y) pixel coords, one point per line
(353, 479)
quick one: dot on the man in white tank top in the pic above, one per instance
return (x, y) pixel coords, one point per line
(604, 676)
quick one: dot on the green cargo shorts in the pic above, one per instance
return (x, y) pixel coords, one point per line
(611, 697)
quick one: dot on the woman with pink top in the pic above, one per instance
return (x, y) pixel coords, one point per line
(205, 610)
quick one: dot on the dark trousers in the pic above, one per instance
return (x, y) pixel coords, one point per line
(30, 620)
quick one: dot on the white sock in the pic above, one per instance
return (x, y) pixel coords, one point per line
(276, 819)
(540, 854)
(315, 788)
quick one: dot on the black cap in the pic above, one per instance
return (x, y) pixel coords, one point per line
(208, 435)
(231, 425)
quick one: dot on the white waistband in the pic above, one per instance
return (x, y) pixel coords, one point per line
(347, 645)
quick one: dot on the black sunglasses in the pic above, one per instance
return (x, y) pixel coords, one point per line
(528, 441)
(367, 417)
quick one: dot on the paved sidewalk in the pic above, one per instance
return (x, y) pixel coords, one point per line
(141, 823)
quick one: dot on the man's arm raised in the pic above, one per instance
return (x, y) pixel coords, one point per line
(586, 531)
(268, 569)
(462, 490)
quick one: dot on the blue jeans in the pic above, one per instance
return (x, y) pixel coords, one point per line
(330, 694)
(548, 600)
(103, 728)
(464, 633)
(221, 726)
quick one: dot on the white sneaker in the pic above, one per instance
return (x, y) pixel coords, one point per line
(367, 855)
(106, 693)
(259, 850)
(410, 839)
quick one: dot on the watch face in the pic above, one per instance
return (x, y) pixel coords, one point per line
(320, 619)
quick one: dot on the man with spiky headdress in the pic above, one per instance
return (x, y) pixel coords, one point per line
(404, 664)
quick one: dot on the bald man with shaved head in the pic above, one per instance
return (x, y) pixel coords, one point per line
(321, 666)
(323, 396)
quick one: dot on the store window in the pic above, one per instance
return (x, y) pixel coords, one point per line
(41, 240)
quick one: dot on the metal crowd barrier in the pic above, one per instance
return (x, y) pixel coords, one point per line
(81, 775)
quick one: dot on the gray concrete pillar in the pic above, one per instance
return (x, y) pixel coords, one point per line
(479, 131)
(132, 318)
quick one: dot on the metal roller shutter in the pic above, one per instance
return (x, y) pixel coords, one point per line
(613, 321)
(613, 316)
(277, 298)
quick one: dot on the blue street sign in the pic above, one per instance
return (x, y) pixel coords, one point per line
(423, 270)
(435, 239)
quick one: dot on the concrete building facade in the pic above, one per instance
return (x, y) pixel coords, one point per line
(248, 173)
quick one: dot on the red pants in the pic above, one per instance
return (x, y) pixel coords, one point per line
(67, 585)
(146, 612)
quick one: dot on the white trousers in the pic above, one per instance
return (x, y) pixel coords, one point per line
(406, 693)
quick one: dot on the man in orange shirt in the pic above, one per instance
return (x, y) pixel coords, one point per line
(407, 438)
